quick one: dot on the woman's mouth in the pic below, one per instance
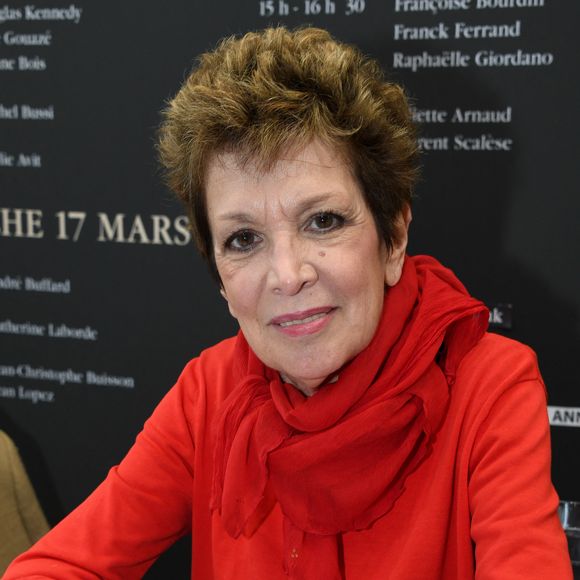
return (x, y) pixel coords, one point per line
(303, 322)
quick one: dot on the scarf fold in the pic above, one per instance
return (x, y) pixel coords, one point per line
(338, 461)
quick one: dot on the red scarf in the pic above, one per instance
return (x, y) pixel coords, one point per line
(338, 461)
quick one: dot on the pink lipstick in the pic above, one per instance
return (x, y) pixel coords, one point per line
(303, 322)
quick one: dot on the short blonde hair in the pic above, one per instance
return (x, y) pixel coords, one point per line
(262, 93)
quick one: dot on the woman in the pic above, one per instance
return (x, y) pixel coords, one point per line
(361, 424)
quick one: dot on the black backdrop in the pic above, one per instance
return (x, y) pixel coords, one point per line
(102, 300)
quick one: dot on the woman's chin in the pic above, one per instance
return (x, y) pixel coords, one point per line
(310, 385)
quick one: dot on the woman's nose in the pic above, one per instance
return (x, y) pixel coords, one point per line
(290, 268)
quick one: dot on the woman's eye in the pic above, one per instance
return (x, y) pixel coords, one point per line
(325, 221)
(242, 241)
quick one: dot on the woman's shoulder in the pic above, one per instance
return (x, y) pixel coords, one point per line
(214, 358)
(498, 384)
(495, 355)
(493, 366)
(210, 376)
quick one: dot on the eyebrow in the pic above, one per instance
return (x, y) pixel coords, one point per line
(299, 208)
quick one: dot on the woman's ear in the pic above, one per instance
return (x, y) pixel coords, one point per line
(225, 297)
(396, 258)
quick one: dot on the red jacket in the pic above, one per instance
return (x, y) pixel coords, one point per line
(480, 506)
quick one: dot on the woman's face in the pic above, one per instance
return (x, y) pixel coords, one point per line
(302, 265)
